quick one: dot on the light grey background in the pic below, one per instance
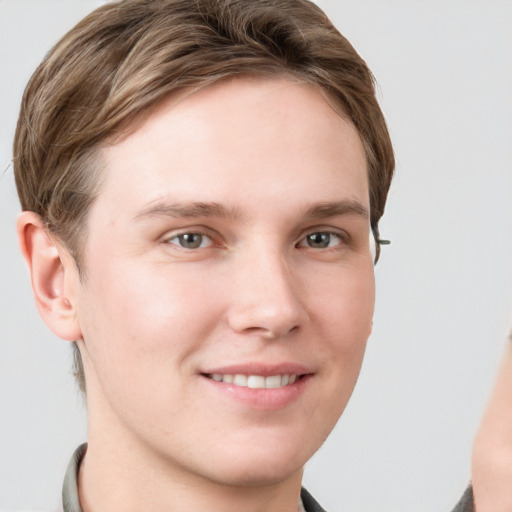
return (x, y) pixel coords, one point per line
(444, 286)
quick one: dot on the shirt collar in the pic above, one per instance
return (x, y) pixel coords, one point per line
(70, 499)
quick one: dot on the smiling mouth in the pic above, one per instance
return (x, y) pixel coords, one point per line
(255, 381)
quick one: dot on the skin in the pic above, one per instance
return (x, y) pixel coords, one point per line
(152, 317)
(492, 451)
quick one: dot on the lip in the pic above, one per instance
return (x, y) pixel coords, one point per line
(262, 369)
(264, 399)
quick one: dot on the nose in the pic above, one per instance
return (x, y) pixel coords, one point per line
(266, 297)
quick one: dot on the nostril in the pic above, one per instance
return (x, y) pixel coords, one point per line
(271, 333)
(269, 313)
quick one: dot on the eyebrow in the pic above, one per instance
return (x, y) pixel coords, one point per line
(337, 208)
(192, 209)
(217, 210)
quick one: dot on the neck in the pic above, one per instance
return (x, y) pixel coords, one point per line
(123, 474)
(120, 480)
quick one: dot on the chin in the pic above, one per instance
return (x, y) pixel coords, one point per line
(250, 467)
(257, 475)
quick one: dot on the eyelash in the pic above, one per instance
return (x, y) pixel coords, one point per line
(340, 238)
(180, 237)
(303, 242)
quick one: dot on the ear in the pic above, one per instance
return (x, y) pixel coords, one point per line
(54, 276)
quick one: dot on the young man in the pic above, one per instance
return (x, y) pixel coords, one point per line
(200, 182)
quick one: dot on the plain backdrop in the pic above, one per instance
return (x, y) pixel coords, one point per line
(444, 293)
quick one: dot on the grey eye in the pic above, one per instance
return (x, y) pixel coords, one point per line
(322, 240)
(191, 240)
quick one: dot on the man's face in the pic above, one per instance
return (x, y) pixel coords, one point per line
(228, 248)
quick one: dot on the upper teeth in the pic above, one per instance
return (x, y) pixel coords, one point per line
(255, 381)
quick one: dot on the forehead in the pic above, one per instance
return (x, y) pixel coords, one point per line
(268, 134)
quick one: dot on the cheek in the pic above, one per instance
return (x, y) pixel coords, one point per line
(346, 323)
(138, 320)
(346, 308)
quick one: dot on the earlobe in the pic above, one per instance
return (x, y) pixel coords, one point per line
(53, 275)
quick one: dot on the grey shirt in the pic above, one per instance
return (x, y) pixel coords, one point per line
(466, 503)
(71, 502)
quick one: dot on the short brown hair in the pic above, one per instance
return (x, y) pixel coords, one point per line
(129, 55)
